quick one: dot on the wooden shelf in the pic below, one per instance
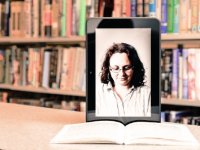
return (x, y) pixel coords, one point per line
(189, 40)
(167, 40)
(42, 40)
(42, 90)
(180, 102)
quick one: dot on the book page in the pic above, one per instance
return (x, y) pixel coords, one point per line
(91, 132)
(158, 134)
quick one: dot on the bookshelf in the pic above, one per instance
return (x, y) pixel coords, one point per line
(40, 40)
(42, 90)
(180, 102)
(171, 40)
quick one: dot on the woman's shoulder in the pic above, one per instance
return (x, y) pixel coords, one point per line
(144, 88)
(103, 86)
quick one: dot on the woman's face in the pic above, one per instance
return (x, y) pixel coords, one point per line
(121, 69)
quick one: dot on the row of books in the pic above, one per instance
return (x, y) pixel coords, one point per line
(49, 67)
(184, 117)
(35, 18)
(64, 18)
(180, 76)
(175, 15)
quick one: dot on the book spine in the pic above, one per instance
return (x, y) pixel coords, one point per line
(146, 8)
(191, 74)
(133, 8)
(158, 9)
(197, 77)
(170, 16)
(139, 8)
(63, 19)
(180, 74)
(176, 15)
(194, 15)
(185, 74)
(48, 18)
(35, 18)
(24, 67)
(198, 16)
(2, 63)
(8, 66)
(59, 66)
(184, 14)
(82, 18)
(164, 16)
(46, 68)
(55, 17)
(117, 12)
(53, 68)
(27, 18)
(6, 17)
(1, 18)
(128, 8)
(152, 8)
(69, 18)
(175, 73)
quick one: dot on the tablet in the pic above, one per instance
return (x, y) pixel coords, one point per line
(123, 69)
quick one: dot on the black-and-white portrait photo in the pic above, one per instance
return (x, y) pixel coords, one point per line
(123, 72)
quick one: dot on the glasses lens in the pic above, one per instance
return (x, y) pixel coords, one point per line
(116, 69)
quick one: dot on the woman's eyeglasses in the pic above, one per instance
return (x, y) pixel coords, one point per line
(117, 69)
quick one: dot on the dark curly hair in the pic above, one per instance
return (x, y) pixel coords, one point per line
(139, 71)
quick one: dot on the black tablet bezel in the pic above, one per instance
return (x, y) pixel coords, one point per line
(154, 25)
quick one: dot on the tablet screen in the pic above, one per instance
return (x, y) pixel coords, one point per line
(123, 69)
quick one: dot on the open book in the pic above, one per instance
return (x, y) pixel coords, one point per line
(134, 133)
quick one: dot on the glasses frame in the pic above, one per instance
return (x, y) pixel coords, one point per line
(124, 69)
